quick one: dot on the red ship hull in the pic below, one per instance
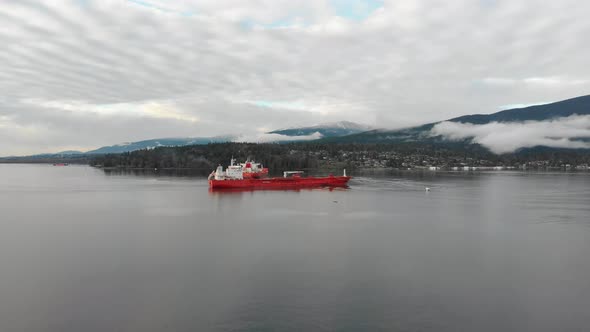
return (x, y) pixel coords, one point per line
(280, 183)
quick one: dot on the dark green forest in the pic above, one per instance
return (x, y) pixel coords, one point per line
(274, 156)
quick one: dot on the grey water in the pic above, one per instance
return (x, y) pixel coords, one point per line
(82, 249)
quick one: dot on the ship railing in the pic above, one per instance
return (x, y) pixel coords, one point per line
(287, 173)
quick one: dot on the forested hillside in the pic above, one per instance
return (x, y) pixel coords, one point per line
(279, 157)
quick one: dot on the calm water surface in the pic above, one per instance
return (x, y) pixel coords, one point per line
(82, 250)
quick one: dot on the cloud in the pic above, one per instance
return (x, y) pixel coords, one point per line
(279, 104)
(534, 81)
(512, 106)
(152, 109)
(98, 72)
(356, 9)
(161, 7)
(266, 138)
(504, 137)
(323, 107)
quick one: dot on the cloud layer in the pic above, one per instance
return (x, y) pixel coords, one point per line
(82, 74)
(266, 138)
(503, 137)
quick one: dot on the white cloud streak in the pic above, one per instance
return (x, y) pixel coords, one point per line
(268, 138)
(534, 81)
(151, 109)
(504, 137)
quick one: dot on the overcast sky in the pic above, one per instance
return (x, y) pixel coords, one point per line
(81, 74)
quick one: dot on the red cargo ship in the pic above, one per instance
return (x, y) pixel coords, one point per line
(233, 178)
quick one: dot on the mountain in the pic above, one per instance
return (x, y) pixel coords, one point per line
(578, 105)
(70, 152)
(336, 129)
(73, 155)
(327, 130)
(152, 143)
(564, 108)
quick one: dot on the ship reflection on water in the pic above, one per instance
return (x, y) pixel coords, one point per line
(217, 191)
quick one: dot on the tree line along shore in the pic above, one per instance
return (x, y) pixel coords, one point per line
(313, 155)
(310, 155)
